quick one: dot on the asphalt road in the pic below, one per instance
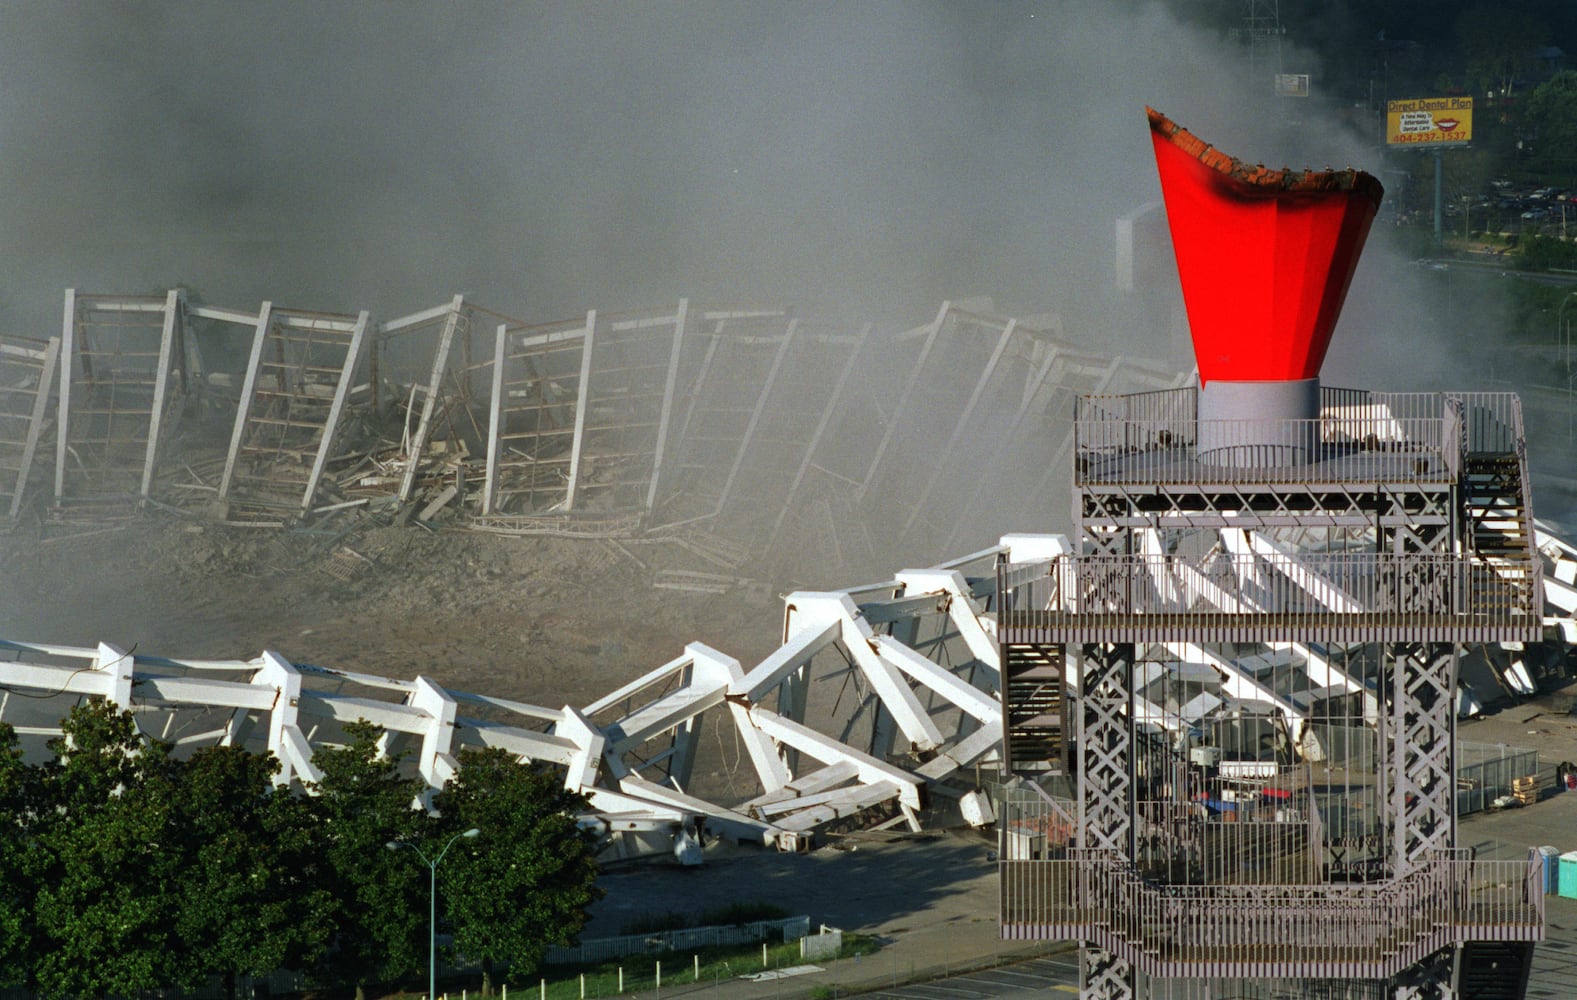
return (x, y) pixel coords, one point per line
(931, 899)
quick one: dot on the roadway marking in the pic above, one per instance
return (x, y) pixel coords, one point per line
(1011, 974)
(934, 989)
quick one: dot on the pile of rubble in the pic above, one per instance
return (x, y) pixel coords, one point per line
(741, 435)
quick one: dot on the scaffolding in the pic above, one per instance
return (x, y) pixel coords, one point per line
(1248, 669)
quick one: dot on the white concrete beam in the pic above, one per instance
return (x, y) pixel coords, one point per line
(434, 761)
(957, 691)
(830, 751)
(810, 638)
(961, 610)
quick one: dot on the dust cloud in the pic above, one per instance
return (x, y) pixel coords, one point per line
(876, 157)
(867, 160)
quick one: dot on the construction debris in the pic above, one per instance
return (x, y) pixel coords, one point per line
(723, 430)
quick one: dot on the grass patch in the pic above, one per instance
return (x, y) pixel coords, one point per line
(713, 965)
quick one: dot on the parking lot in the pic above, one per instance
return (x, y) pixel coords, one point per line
(931, 899)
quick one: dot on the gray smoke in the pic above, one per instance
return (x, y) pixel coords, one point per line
(867, 160)
(544, 158)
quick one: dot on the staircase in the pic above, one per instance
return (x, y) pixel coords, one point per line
(1493, 970)
(1033, 688)
(1500, 531)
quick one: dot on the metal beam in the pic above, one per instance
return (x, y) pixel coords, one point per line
(336, 409)
(46, 377)
(903, 400)
(830, 751)
(954, 689)
(669, 382)
(262, 321)
(943, 462)
(434, 386)
(578, 442)
(755, 414)
(161, 385)
(834, 405)
(495, 419)
(1001, 443)
(68, 350)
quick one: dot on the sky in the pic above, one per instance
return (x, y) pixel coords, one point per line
(862, 160)
(869, 159)
(856, 161)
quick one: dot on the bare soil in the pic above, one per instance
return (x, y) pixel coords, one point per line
(549, 621)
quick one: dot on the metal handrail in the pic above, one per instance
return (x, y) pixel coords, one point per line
(1368, 930)
(1291, 584)
(1359, 436)
(1536, 581)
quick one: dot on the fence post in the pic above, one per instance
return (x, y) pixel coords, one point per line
(621, 979)
(659, 974)
(697, 959)
(763, 954)
(582, 986)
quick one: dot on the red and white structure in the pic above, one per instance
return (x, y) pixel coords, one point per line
(1235, 701)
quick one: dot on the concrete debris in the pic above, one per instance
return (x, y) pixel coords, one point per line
(723, 431)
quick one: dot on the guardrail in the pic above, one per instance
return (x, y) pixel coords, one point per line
(1385, 595)
(1366, 931)
(1359, 436)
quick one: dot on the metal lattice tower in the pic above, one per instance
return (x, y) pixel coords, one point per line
(1261, 32)
(1247, 786)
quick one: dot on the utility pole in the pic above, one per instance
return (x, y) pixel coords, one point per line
(432, 903)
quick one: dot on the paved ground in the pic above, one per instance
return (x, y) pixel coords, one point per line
(932, 899)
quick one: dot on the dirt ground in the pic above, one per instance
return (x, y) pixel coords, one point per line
(555, 621)
(550, 621)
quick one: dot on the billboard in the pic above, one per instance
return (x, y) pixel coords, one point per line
(1429, 121)
(1292, 85)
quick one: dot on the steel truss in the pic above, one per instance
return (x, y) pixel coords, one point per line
(1240, 628)
(874, 711)
(735, 428)
(124, 367)
(27, 374)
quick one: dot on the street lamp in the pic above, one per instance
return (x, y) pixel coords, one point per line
(1562, 335)
(432, 903)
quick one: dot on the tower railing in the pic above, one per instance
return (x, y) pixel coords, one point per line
(1254, 596)
(1359, 437)
(1365, 930)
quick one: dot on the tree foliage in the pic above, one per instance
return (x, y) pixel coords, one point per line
(104, 870)
(523, 884)
(15, 848)
(364, 803)
(251, 895)
(125, 868)
(1551, 109)
(1498, 43)
(1543, 253)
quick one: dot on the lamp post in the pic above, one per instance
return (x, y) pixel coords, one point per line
(432, 903)
(1562, 335)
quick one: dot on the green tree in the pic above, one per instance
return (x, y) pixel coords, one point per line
(1498, 42)
(104, 867)
(379, 915)
(1551, 108)
(252, 895)
(16, 886)
(526, 882)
